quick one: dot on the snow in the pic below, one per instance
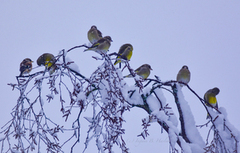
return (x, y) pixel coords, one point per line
(190, 125)
(62, 52)
(15, 151)
(89, 119)
(119, 73)
(161, 96)
(136, 96)
(172, 137)
(98, 130)
(195, 148)
(153, 103)
(72, 66)
(81, 97)
(99, 145)
(161, 116)
(229, 134)
(185, 146)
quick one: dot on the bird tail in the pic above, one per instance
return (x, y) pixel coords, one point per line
(117, 61)
(87, 49)
(128, 76)
(208, 116)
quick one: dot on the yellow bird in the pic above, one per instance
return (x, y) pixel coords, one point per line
(94, 34)
(210, 98)
(125, 53)
(184, 75)
(25, 66)
(102, 45)
(143, 71)
(47, 60)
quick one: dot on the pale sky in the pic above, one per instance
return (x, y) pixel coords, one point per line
(205, 35)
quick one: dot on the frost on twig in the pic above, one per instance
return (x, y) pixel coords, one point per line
(67, 94)
(109, 105)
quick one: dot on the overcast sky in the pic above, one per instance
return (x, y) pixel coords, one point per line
(205, 35)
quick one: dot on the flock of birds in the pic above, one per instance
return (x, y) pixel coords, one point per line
(101, 45)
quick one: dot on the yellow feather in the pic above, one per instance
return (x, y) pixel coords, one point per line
(212, 100)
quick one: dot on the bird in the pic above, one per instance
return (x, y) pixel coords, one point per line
(102, 45)
(210, 98)
(94, 34)
(47, 60)
(184, 75)
(25, 66)
(125, 52)
(143, 71)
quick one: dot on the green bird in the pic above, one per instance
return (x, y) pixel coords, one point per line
(102, 45)
(125, 52)
(184, 75)
(210, 98)
(143, 71)
(94, 34)
(47, 60)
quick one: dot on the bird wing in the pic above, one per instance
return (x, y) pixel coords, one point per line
(138, 69)
(99, 33)
(122, 49)
(97, 43)
(127, 54)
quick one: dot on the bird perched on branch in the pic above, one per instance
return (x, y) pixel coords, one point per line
(210, 98)
(25, 66)
(47, 60)
(143, 71)
(184, 75)
(125, 52)
(94, 34)
(102, 45)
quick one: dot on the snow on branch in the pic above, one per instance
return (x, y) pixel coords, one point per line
(34, 126)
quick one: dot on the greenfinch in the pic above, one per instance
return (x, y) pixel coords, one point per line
(47, 60)
(25, 66)
(94, 34)
(102, 45)
(210, 98)
(143, 71)
(125, 52)
(184, 75)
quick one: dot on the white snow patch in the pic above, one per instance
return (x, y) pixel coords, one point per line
(136, 98)
(172, 137)
(72, 66)
(153, 103)
(190, 126)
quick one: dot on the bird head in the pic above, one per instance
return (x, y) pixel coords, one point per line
(215, 91)
(148, 66)
(108, 38)
(93, 27)
(185, 67)
(27, 60)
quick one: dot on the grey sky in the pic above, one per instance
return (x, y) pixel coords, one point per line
(205, 35)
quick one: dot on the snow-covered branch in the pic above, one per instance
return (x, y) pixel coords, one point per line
(34, 125)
